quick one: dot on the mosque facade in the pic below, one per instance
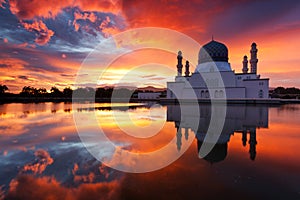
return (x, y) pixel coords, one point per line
(214, 78)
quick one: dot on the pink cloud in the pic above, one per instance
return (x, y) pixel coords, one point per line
(83, 16)
(43, 159)
(1, 3)
(106, 29)
(29, 187)
(5, 40)
(24, 9)
(43, 34)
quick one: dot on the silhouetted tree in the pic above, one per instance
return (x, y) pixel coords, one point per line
(104, 92)
(28, 91)
(292, 90)
(3, 88)
(55, 92)
(84, 92)
(68, 92)
(279, 90)
(41, 92)
(122, 93)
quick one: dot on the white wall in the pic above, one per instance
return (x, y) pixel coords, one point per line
(257, 88)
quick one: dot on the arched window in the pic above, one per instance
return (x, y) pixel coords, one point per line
(221, 94)
(206, 94)
(202, 94)
(216, 94)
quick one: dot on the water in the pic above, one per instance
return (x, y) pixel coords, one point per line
(42, 156)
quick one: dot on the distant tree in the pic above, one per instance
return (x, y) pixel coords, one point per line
(84, 92)
(28, 91)
(55, 92)
(68, 92)
(280, 90)
(122, 93)
(41, 92)
(292, 90)
(104, 92)
(3, 88)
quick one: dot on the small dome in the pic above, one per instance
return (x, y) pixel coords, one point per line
(217, 154)
(212, 52)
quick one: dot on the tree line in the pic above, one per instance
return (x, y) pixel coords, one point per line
(286, 93)
(54, 92)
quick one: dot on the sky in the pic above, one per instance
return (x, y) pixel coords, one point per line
(44, 43)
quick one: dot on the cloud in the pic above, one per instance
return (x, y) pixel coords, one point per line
(1, 3)
(30, 187)
(27, 10)
(42, 32)
(157, 78)
(148, 76)
(94, 23)
(43, 159)
(90, 16)
(23, 77)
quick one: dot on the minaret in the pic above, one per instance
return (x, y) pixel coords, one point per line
(252, 142)
(244, 137)
(187, 68)
(179, 136)
(186, 134)
(254, 59)
(245, 65)
(179, 64)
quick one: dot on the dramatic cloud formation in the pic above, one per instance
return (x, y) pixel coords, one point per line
(29, 187)
(41, 30)
(43, 159)
(43, 40)
(24, 9)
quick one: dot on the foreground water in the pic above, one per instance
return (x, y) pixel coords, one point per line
(255, 156)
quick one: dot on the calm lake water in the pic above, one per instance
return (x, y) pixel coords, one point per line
(255, 156)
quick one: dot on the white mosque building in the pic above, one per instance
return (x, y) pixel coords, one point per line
(214, 79)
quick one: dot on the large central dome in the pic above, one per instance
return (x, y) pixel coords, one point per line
(212, 52)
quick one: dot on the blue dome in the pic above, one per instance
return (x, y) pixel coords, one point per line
(212, 52)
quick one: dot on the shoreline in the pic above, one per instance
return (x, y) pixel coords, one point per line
(164, 101)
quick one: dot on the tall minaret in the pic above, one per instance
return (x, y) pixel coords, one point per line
(254, 59)
(179, 64)
(179, 136)
(187, 68)
(245, 65)
(252, 142)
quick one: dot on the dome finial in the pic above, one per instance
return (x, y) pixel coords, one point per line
(212, 37)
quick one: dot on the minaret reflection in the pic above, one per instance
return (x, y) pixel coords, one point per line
(240, 119)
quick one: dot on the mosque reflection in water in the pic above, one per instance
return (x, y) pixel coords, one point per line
(239, 119)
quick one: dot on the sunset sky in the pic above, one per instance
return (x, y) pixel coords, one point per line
(43, 43)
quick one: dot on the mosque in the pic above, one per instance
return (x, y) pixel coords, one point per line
(214, 79)
(239, 120)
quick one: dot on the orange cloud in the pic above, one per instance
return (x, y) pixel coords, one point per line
(29, 187)
(30, 9)
(1, 3)
(43, 159)
(86, 16)
(42, 32)
(106, 29)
